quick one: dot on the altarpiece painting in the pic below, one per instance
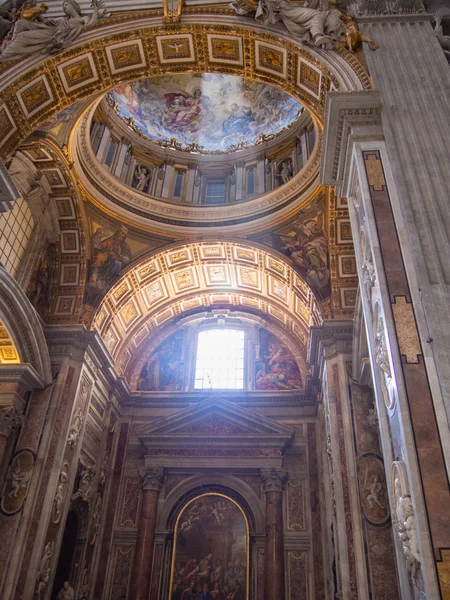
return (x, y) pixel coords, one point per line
(211, 554)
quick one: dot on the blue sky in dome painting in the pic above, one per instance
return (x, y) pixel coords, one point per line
(216, 111)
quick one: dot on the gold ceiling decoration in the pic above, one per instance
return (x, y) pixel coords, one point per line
(104, 58)
(189, 277)
(9, 354)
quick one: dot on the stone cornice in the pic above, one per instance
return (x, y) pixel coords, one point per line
(331, 338)
(87, 346)
(24, 375)
(349, 117)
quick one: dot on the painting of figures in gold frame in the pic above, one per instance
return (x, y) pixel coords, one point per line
(211, 550)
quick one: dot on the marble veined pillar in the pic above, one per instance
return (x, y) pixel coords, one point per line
(152, 480)
(274, 481)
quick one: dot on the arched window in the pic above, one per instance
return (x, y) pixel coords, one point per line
(220, 359)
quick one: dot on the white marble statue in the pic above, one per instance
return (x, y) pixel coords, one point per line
(44, 569)
(406, 530)
(286, 171)
(60, 494)
(66, 592)
(306, 22)
(49, 36)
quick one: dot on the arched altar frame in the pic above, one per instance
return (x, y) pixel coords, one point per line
(175, 534)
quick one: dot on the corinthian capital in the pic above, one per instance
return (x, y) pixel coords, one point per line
(10, 418)
(273, 479)
(152, 479)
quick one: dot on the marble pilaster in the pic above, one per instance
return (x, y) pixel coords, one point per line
(274, 481)
(330, 353)
(152, 480)
(414, 427)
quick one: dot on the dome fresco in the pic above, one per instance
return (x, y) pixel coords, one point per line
(211, 112)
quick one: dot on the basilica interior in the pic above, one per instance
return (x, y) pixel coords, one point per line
(224, 300)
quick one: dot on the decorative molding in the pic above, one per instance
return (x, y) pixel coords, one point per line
(347, 116)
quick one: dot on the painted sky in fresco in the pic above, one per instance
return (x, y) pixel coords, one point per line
(217, 111)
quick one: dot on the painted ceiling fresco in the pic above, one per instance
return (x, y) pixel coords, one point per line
(214, 111)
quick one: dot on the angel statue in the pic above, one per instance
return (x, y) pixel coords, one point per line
(49, 36)
(308, 22)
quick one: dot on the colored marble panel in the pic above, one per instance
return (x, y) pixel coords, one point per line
(423, 416)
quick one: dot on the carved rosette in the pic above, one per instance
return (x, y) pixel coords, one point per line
(10, 418)
(274, 480)
(152, 479)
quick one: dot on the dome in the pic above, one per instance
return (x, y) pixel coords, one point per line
(206, 113)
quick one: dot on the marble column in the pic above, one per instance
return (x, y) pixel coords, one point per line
(10, 418)
(142, 569)
(274, 481)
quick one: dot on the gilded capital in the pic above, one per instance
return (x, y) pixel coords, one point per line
(10, 418)
(152, 479)
(273, 479)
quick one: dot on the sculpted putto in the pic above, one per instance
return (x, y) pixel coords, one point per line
(34, 34)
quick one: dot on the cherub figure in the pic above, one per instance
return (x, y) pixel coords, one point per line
(353, 38)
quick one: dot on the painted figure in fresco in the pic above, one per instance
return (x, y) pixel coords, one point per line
(189, 593)
(186, 111)
(110, 255)
(210, 112)
(211, 563)
(239, 120)
(164, 370)
(278, 368)
(41, 35)
(39, 288)
(309, 251)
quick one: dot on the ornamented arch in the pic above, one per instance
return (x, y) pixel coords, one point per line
(20, 322)
(38, 88)
(237, 314)
(192, 277)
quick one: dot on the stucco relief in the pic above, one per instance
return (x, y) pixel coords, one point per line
(17, 482)
(367, 266)
(403, 517)
(383, 362)
(60, 494)
(373, 490)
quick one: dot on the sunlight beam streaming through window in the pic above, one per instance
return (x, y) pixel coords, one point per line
(220, 359)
